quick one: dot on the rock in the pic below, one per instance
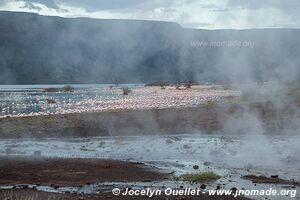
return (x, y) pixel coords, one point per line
(169, 141)
(203, 186)
(274, 176)
(195, 167)
(186, 146)
(218, 187)
(50, 101)
(56, 187)
(234, 189)
(84, 148)
(207, 163)
(25, 186)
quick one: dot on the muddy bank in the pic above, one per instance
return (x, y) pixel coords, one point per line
(26, 176)
(13, 194)
(73, 172)
(208, 117)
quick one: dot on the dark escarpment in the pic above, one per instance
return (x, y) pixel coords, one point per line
(46, 49)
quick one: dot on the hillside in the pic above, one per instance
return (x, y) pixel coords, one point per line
(46, 49)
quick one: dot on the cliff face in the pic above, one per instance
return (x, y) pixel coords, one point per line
(44, 49)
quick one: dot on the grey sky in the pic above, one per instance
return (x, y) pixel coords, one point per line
(212, 14)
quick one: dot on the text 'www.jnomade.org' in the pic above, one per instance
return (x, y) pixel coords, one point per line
(197, 192)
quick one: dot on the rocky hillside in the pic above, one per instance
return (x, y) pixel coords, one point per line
(44, 49)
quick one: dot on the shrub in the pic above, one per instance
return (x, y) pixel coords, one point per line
(163, 85)
(51, 90)
(68, 88)
(188, 85)
(126, 91)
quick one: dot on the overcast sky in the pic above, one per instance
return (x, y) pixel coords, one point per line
(205, 14)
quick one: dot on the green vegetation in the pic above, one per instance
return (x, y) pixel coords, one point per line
(200, 177)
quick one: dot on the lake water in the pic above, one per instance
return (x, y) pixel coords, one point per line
(26, 99)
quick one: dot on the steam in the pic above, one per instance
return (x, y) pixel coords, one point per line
(256, 149)
(40, 49)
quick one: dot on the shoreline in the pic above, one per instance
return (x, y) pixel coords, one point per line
(56, 178)
(206, 118)
(73, 172)
(108, 99)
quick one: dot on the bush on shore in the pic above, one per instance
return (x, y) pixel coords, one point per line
(126, 91)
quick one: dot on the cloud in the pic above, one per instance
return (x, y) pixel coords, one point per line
(213, 14)
(48, 3)
(31, 6)
(258, 4)
(221, 10)
(3, 2)
(96, 5)
(288, 10)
